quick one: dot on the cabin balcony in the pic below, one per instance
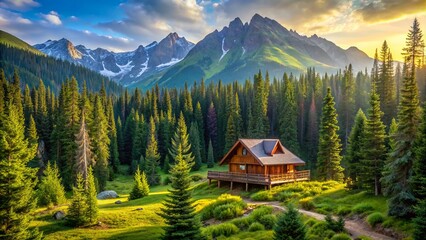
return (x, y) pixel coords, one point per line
(259, 179)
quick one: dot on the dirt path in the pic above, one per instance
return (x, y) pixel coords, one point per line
(354, 228)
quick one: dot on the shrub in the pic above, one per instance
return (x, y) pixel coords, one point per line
(341, 236)
(167, 180)
(318, 229)
(310, 222)
(227, 211)
(336, 226)
(284, 196)
(196, 177)
(268, 221)
(260, 211)
(306, 203)
(224, 229)
(289, 226)
(343, 210)
(262, 196)
(362, 208)
(363, 238)
(224, 199)
(256, 227)
(324, 207)
(50, 191)
(313, 237)
(242, 223)
(375, 218)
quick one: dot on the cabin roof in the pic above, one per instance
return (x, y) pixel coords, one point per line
(263, 151)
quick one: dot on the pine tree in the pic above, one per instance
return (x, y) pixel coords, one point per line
(112, 134)
(152, 157)
(289, 226)
(91, 200)
(181, 148)
(166, 166)
(179, 210)
(100, 143)
(328, 163)
(420, 221)
(373, 149)
(399, 167)
(50, 190)
(17, 181)
(418, 180)
(83, 157)
(194, 140)
(347, 103)
(198, 115)
(77, 211)
(353, 153)
(212, 126)
(210, 157)
(288, 117)
(140, 187)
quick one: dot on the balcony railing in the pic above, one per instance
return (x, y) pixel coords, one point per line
(259, 178)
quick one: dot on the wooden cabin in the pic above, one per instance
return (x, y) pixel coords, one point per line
(260, 161)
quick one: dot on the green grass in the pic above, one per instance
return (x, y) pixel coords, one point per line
(12, 41)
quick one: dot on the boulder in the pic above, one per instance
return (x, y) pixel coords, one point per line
(58, 215)
(118, 202)
(107, 195)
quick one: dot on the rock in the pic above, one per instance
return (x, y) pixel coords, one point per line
(118, 202)
(58, 215)
(107, 195)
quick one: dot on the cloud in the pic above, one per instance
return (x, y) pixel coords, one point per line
(388, 10)
(52, 17)
(18, 4)
(39, 31)
(147, 20)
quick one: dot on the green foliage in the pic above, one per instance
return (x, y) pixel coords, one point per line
(268, 221)
(260, 212)
(50, 190)
(210, 156)
(181, 148)
(140, 187)
(242, 223)
(228, 211)
(375, 218)
(256, 227)
(353, 155)
(234, 203)
(194, 139)
(289, 226)
(152, 157)
(328, 163)
(420, 221)
(178, 210)
(77, 211)
(288, 116)
(343, 210)
(335, 225)
(362, 208)
(306, 203)
(197, 177)
(262, 196)
(224, 229)
(91, 200)
(418, 180)
(341, 236)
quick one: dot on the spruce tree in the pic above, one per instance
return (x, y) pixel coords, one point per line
(77, 210)
(194, 139)
(91, 200)
(418, 180)
(181, 148)
(210, 157)
(141, 187)
(178, 209)
(112, 134)
(329, 148)
(83, 157)
(373, 149)
(420, 221)
(17, 180)
(353, 153)
(50, 190)
(287, 123)
(289, 226)
(152, 157)
(399, 167)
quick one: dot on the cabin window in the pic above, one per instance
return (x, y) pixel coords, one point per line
(244, 151)
(242, 167)
(290, 168)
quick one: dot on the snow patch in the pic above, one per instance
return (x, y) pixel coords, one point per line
(123, 70)
(223, 50)
(144, 66)
(171, 63)
(244, 51)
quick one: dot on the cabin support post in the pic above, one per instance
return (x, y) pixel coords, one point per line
(246, 186)
(218, 183)
(232, 184)
(270, 186)
(210, 181)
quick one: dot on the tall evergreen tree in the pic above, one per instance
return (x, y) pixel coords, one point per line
(418, 179)
(353, 155)
(50, 190)
(112, 134)
(373, 149)
(329, 158)
(210, 157)
(289, 226)
(77, 210)
(83, 155)
(91, 200)
(17, 180)
(288, 117)
(140, 187)
(181, 148)
(152, 157)
(194, 140)
(420, 221)
(178, 209)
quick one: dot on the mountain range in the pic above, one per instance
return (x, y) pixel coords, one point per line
(236, 52)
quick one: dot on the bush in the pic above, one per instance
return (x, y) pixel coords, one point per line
(319, 229)
(242, 223)
(362, 208)
(311, 222)
(363, 238)
(284, 196)
(343, 211)
(167, 180)
(306, 203)
(336, 226)
(268, 221)
(224, 229)
(196, 177)
(375, 218)
(341, 236)
(260, 212)
(224, 199)
(262, 196)
(256, 227)
(227, 211)
(313, 237)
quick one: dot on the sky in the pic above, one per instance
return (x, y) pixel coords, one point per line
(123, 25)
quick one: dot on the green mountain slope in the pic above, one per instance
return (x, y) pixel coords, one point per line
(12, 41)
